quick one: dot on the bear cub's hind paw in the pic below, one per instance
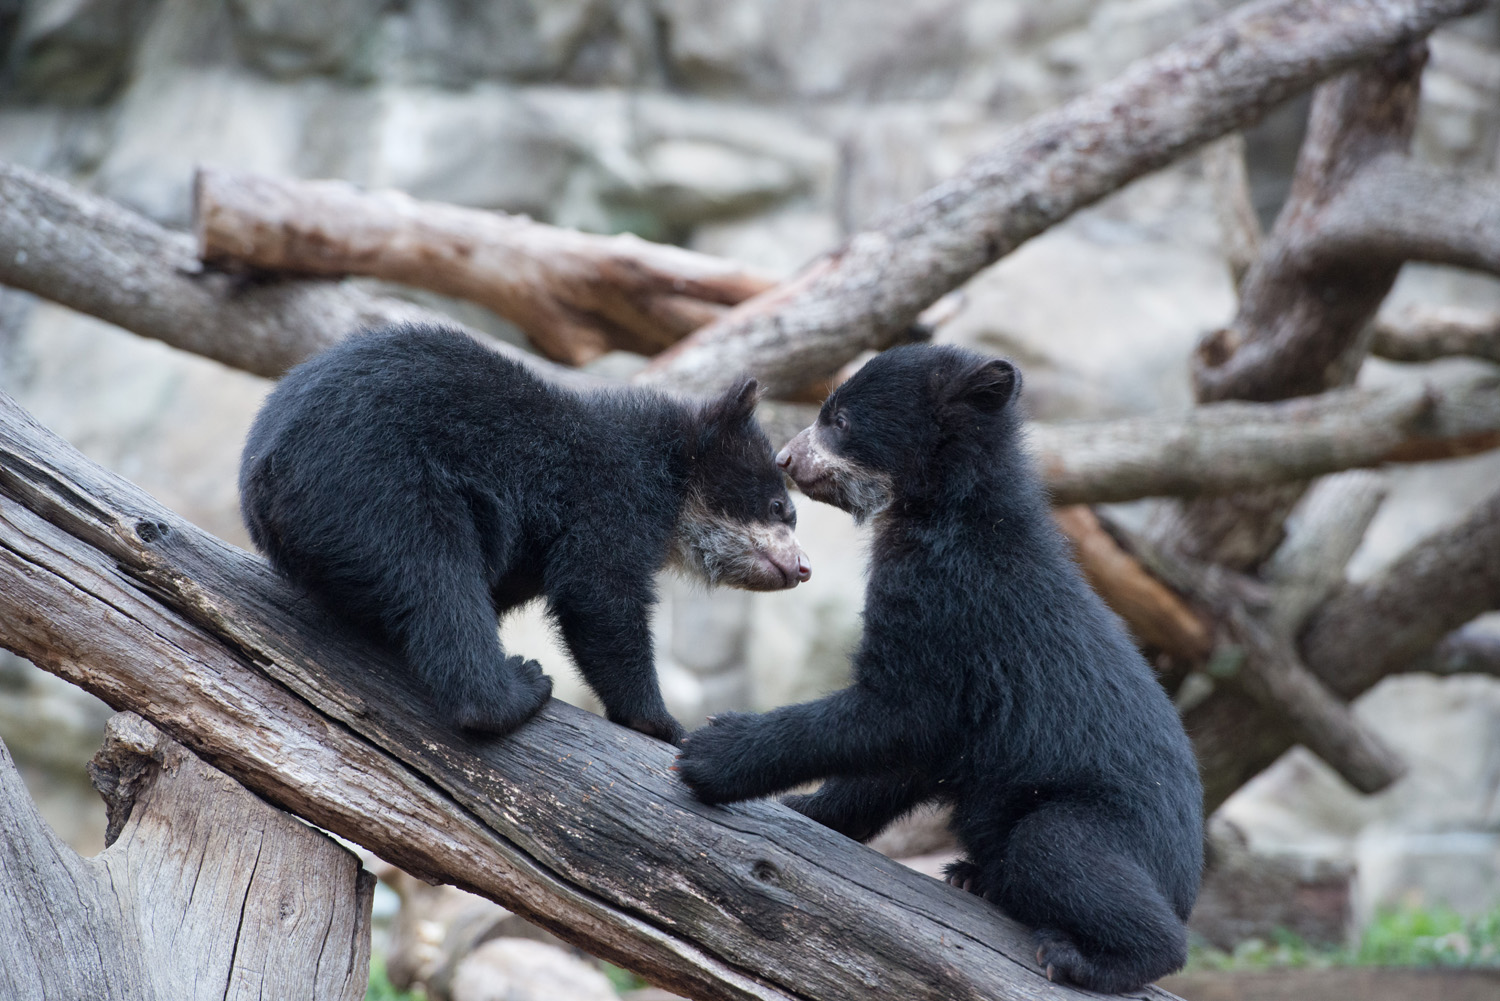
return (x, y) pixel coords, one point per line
(523, 693)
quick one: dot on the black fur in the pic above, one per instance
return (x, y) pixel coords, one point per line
(989, 676)
(418, 484)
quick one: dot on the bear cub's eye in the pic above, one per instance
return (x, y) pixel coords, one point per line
(777, 509)
(841, 422)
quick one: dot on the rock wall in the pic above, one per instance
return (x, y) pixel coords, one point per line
(763, 130)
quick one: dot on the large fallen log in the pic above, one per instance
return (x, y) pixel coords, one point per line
(576, 295)
(205, 891)
(865, 293)
(572, 822)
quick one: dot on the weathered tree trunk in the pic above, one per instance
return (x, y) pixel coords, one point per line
(572, 822)
(205, 893)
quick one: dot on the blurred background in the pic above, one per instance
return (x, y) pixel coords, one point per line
(764, 131)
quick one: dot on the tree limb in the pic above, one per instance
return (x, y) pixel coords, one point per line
(1396, 209)
(572, 822)
(1378, 627)
(864, 294)
(576, 295)
(1254, 662)
(1324, 531)
(97, 257)
(1231, 446)
(1419, 335)
(1364, 633)
(1240, 234)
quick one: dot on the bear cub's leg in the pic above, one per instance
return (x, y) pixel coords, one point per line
(862, 807)
(608, 632)
(1100, 919)
(447, 629)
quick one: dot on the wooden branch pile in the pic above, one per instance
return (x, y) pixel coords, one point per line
(1239, 587)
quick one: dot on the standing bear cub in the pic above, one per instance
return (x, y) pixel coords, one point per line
(989, 676)
(419, 485)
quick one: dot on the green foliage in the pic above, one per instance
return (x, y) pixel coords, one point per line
(1412, 936)
(380, 988)
(622, 980)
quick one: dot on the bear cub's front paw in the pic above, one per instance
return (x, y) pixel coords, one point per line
(712, 758)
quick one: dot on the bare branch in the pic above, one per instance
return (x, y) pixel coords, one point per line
(1438, 332)
(1239, 227)
(1322, 534)
(867, 292)
(95, 256)
(1258, 670)
(576, 295)
(1275, 676)
(1301, 313)
(571, 821)
(1399, 210)
(1234, 446)
(1369, 630)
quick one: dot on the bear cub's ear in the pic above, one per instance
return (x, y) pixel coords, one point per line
(990, 386)
(736, 406)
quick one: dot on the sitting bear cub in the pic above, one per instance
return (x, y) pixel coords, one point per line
(989, 676)
(419, 485)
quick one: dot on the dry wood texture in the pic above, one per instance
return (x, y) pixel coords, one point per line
(864, 294)
(576, 295)
(571, 822)
(97, 257)
(205, 893)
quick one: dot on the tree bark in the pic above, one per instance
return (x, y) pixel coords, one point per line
(1432, 333)
(572, 822)
(1300, 310)
(864, 294)
(99, 258)
(1396, 209)
(576, 295)
(1362, 634)
(1223, 447)
(205, 891)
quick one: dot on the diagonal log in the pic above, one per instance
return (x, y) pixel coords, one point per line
(863, 294)
(571, 822)
(1256, 664)
(576, 295)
